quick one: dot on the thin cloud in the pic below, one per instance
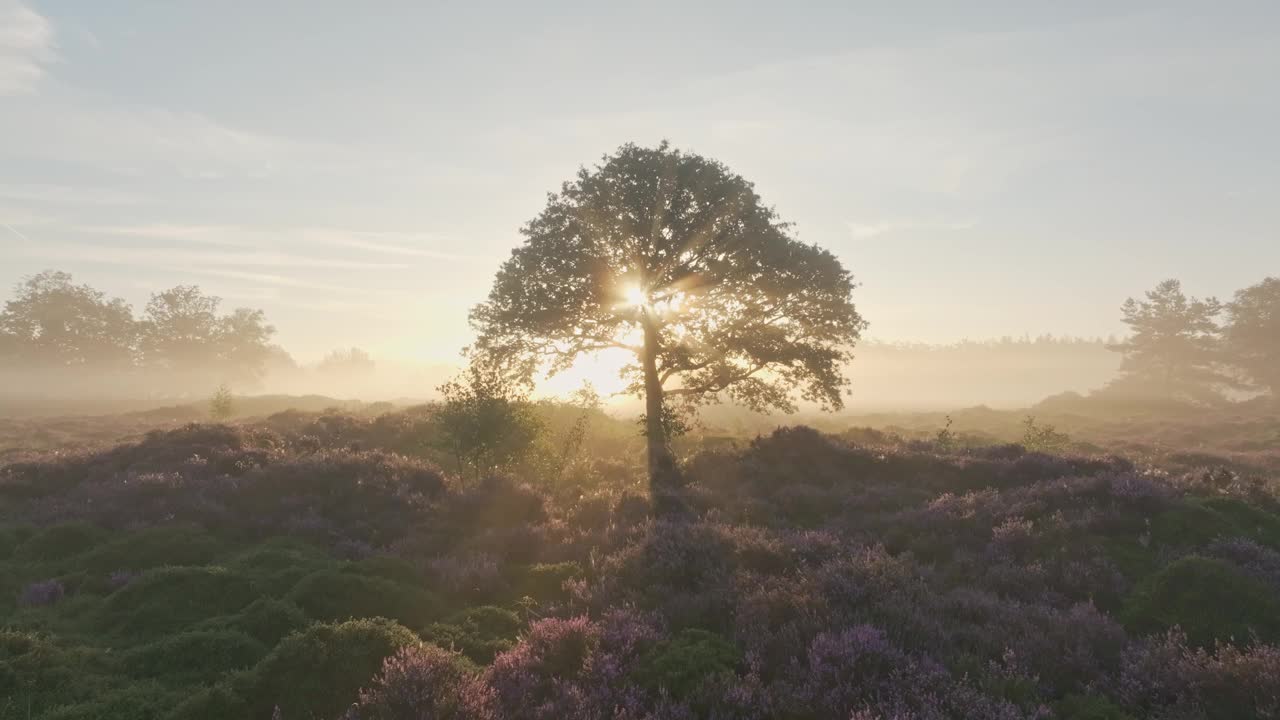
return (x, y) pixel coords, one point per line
(275, 280)
(164, 257)
(405, 244)
(68, 195)
(26, 45)
(863, 231)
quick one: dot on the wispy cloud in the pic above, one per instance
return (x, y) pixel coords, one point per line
(863, 230)
(68, 195)
(275, 280)
(26, 45)
(397, 243)
(152, 257)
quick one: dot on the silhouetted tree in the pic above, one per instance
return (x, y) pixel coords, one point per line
(485, 420)
(1173, 348)
(1252, 334)
(674, 258)
(180, 328)
(348, 362)
(183, 333)
(243, 344)
(52, 322)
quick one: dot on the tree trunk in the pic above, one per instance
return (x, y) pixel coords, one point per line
(664, 478)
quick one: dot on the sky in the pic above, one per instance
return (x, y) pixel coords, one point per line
(360, 170)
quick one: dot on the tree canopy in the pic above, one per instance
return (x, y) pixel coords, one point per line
(53, 323)
(1173, 350)
(673, 257)
(1252, 334)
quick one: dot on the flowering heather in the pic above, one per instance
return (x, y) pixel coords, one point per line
(41, 594)
(811, 577)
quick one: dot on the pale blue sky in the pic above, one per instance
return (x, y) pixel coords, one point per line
(359, 170)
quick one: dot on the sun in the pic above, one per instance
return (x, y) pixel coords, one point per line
(634, 295)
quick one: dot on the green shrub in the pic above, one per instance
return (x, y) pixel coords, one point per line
(152, 548)
(682, 664)
(11, 536)
(335, 595)
(480, 633)
(133, 701)
(319, 672)
(545, 581)
(194, 657)
(220, 702)
(387, 568)
(166, 600)
(266, 620)
(37, 673)
(1189, 523)
(278, 563)
(1208, 599)
(1251, 521)
(1088, 707)
(59, 542)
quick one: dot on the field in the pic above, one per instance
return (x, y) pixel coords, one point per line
(335, 564)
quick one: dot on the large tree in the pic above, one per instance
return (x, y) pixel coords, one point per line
(51, 322)
(673, 257)
(183, 334)
(1173, 349)
(1252, 334)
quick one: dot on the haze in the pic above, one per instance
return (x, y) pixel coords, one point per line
(995, 170)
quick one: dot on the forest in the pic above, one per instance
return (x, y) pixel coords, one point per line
(745, 542)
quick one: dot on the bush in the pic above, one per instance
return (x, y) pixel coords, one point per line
(135, 701)
(1088, 707)
(387, 568)
(194, 657)
(38, 674)
(59, 542)
(1209, 599)
(479, 633)
(319, 671)
(154, 547)
(424, 681)
(1189, 523)
(544, 582)
(166, 600)
(266, 620)
(278, 563)
(682, 664)
(335, 595)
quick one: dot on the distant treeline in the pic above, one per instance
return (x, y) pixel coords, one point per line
(181, 337)
(71, 342)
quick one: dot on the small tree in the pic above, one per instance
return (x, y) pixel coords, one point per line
(671, 257)
(485, 420)
(1043, 438)
(1173, 349)
(1252, 334)
(221, 405)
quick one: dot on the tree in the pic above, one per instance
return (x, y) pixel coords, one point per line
(1173, 348)
(180, 329)
(183, 333)
(673, 257)
(485, 420)
(1252, 334)
(243, 344)
(347, 362)
(221, 405)
(52, 322)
